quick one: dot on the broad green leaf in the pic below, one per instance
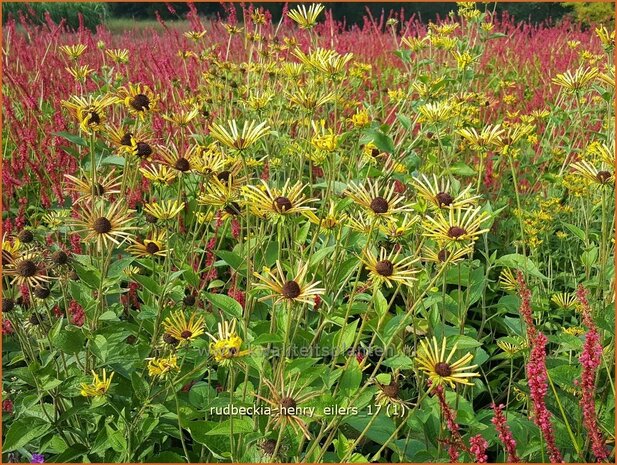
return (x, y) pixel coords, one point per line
(230, 306)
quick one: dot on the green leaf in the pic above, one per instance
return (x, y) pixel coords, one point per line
(382, 141)
(578, 232)
(399, 361)
(240, 425)
(72, 138)
(23, 431)
(351, 379)
(520, 262)
(232, 259)
(461, 169)
(70, 340)
(230, 306)
(149, 283)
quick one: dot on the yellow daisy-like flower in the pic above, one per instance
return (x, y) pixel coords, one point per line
(10, 250)
(565, 301)
(138, 99)
(210, 159)
(324, 139)
(445, 257)
(440, 195)
(195, 36)
(154, 246)
(25, 269)
(389, 396)
(73, 51)
(181, 161)
(507, 281)
(458, 228)
(165, 209)
(177, 326)
(284, 290)
(310, 100)
(604, 177)
(104, 227)
(325, 61)
(377, 202)
(80, 73)
(306, 19)
(90, 190)
(285, 401)
(225, 347)
(361, 118)
(388, 269)
(162, 367)
(99, 385)
(183, 117)
(267, 203)
(577, 81)
(89, 111)
(432, 360)
(160, 174)
(120, 56)
(231, 137)
(488, 138)
(331, 220)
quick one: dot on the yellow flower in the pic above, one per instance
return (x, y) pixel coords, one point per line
(104, 228)
(165, 209)
(277, 203)
(604, 177)
(440, 194)
(80, 73)
(177, 326)
(152, 247)
(138, 99)
(225, 347)
(90, 190)
(158, 173)
(464, 60)
(89, 111)
(432, 360)
(607, 39)
(183, 117)
(565, 301)
(489, 137)
(73, 51)
(388, 269)
(326, 61)
(577, 81)
(234, 139)
(461, 226)
(377, 202)
(324, 139)
(361, 118)
(98, 387)
(195, 36)
(306, 19)
(284, 290)
(161, 367)
(120, 56)
(309, 100)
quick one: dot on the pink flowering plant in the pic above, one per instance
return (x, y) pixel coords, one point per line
(257, 239)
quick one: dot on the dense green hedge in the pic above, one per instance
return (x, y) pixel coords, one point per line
(92, 13)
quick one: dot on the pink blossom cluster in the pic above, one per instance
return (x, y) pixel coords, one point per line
(537, 379)
(590, 360)
(477, 448)
(505, 435)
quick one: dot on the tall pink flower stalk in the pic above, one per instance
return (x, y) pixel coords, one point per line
(537, 376)
(590, 360)
(505, 435)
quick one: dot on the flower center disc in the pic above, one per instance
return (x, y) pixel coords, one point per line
(456, 231)
(391, 390)
(26, 268)
(282, 204)
(384, 268)
(603, 176)
(102, 225)
(140, 102)
(152, 248)
(443, 369)
(288, 403)
(379, 205)
(444, 199)
(143, 150)
(186, 334)
(182, 164)
(291, 290)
